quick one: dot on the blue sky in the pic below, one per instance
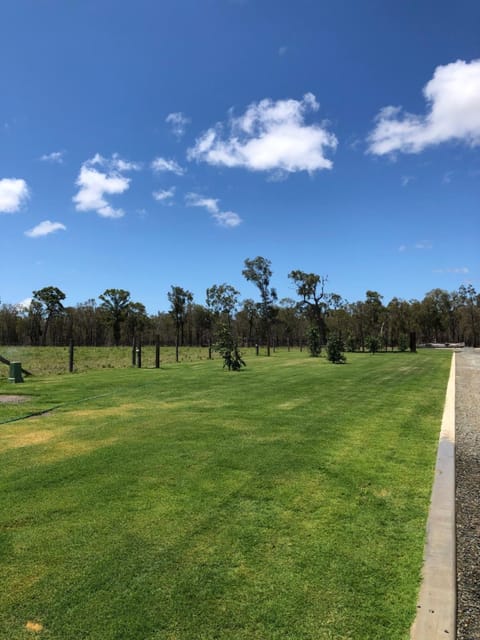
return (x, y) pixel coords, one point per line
(155, 143)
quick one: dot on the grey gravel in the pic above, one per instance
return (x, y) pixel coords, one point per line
(467, 472)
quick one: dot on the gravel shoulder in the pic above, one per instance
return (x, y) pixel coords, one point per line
(467, 472)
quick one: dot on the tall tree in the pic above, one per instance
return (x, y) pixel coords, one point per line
(49, 304)
(258, 271)
(115, 304)
(179, 300)
(248, 315)
(314, 300)
(471, 314)
(222, 300)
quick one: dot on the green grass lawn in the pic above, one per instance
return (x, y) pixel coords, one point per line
(55, 360)
(287, 501)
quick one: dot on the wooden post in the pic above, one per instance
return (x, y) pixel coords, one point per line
(70, 356)
(157, 352)
(257, 349)
(139, 355)
(134, 352)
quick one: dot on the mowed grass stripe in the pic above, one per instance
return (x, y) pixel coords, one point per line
(285, 501)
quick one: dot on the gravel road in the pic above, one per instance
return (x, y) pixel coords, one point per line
(467, 461)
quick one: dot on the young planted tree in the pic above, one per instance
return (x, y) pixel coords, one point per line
(179, 300)
(48, 303)
(227, 346)
(221, 301)
(335, 349)
(258, 271)
(314, 345)
(115, 305)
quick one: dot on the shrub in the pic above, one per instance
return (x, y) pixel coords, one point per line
(335, 350)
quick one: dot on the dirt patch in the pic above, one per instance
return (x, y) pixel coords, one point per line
(36, 627)
(4, 399)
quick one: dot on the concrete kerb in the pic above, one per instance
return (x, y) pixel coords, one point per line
(436, 608)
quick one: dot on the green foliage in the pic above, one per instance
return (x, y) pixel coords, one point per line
(259, 272)
(314, 345)
(335, 349)
(373, 344)
(351, 343)
(228, 348)
(222, 299)
(115, 305)
(403, 342)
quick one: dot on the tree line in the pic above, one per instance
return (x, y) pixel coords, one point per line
(310, 319)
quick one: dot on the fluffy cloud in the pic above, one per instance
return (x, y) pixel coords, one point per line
(269, 136)
(55, 156)
(162, 195)
(45, 228)
(96, 183)
(178, 123)
(162, 164)
(223, 218)
(453, 101)
(13, 194)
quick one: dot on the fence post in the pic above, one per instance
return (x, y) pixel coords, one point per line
(157, 352)
(70, 356)
(139, 355)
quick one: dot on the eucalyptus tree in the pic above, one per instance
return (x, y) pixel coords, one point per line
(115, 305)
(222, 300)
(136, 319)
(314, 300)
(470, 314)
(375, 318)
(179, 299)
(258, 271)
(48, 304)
(246, 320)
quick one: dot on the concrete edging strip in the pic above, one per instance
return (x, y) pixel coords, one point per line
(436, 608)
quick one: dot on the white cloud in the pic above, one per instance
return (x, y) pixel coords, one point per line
(13, 194)
(195, 200)
(455, 270)
(425, 244)
(402, 247)
(453, 101)
(162, 164)
(24, 305)
(227, 218)
(178, 123)
(269, 136)
(95, 185)
(406, 180)
(55, 156)
(223, 218)
(163, 195)
(45, 228)
(122, 165)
